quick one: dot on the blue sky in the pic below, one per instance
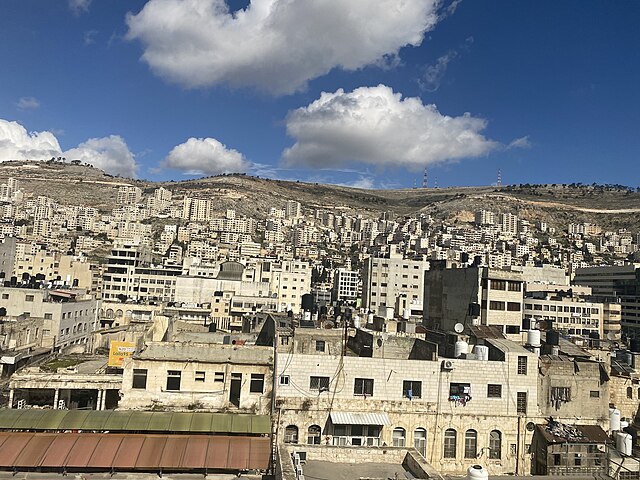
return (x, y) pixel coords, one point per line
(546, 91)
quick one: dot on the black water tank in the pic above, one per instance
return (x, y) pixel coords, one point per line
(213, 327)
(634, 345)
(307, 302)
(595, 335)
(13, 281)
(553, 337)
(323, 310)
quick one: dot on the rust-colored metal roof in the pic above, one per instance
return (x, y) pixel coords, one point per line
(122, 452)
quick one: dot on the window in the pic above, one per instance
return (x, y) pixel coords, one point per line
(498, 285)
(515, 286)
(28, 298)
(521, 402)
(399, 437)
(420, 441)
(5, 296)
(629, 392)
(363, 386)
(494, 305)
(594, 394)
(559, 395)
(139, 378)
(200, 376)
(513, 307)
(450, 439)
(218, 377)
(470, 444)
(512, 329)
(284, 379)
(411, 389)
(257, 383)
(522, 365)
(495, 445)
(291, 434)
(314, 435)
(173, 379)
(320, 384)
(494, 391)
(320, 345)
(557, 459)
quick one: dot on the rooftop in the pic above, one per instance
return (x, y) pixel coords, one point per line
(206, 353)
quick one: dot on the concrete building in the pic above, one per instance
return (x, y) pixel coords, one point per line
(129, 195)
(622, 282)
(386, 279)
(346, 285)
(199, 376)
(473, 296)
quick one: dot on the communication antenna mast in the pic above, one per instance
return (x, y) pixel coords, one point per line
(435, 182)
(424, 179)
(499, 182)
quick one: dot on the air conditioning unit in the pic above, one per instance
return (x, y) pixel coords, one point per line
(447, 365)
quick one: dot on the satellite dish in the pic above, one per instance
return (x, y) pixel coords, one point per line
(531, 426)
(458, 328)
(611, 336)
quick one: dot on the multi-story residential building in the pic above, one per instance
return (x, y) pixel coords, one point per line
(197, 209)
(70, 317)
(473, 296)
(386, 279)
(346, 285)
(129, 195)
(621, 282)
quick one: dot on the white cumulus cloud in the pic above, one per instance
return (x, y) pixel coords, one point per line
(18, 144)
(27, 103)
(110, 154)
(374, 125)
(205, 156)
(274, 45)
(79, 6)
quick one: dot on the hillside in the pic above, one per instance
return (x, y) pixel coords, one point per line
(558, 205)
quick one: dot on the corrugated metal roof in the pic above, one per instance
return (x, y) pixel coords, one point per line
(122, 452)
(130, 421)
(359, 418)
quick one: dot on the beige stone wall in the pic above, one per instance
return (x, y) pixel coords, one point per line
(434, 412)
(618, 394)
(207, 394)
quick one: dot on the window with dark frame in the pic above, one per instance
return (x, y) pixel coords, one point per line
(411, 389)
(139, 378)
(257, 383)
(200, 376)
(363, 386)
(494, 391)
(521, 402)
(319, 383)
(173, 380)
(450, 440)
(522, 365)
(470, 444)
(320, 345)
(218, 377)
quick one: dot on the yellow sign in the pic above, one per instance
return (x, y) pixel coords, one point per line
(118, 351)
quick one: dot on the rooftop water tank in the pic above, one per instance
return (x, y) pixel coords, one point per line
(533, 338)
(406, 314)
(623, 443)
(614, 419)
(482, 351)
(553, 337)
(461, 348)
(477, 472)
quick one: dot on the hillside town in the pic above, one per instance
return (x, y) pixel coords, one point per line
(307, 338)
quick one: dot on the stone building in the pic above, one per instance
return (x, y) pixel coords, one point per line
(456, 412)
(192, 376)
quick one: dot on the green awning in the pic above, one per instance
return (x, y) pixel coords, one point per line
(260, 424)
(52, 419)
(221, 422)
(97, 420)
(160, 422)
(180, 422)
(29, 419)
(201, 422)
(8, 417)
(117, 421)
(241, 423)
(74, 419)
(138, 421)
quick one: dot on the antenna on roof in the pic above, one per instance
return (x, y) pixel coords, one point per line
(499, 182)
(424, 179)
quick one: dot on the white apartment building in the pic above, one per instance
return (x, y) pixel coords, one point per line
(386, 279)
(129, 195)
(346, 285)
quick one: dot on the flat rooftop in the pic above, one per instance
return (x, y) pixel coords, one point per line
(321, 470)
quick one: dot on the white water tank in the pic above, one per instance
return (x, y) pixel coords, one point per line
(623, 424)
(477, 472)
(461, 348)
(370, 319)
(533, 338)
(482, 351)
(385, 312)
(356, 321)
(623, 443)
(614, 419)
(307, 315)
(406, 314)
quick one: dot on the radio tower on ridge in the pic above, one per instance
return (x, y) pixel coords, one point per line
(424, 179)
(499, 182)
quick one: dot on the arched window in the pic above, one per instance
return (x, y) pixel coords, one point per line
(420, 441)
(450, 439)
(291, 434)
(399, 437)
(470, 444)
(495, 444)
(314, 435)
(629, 392)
